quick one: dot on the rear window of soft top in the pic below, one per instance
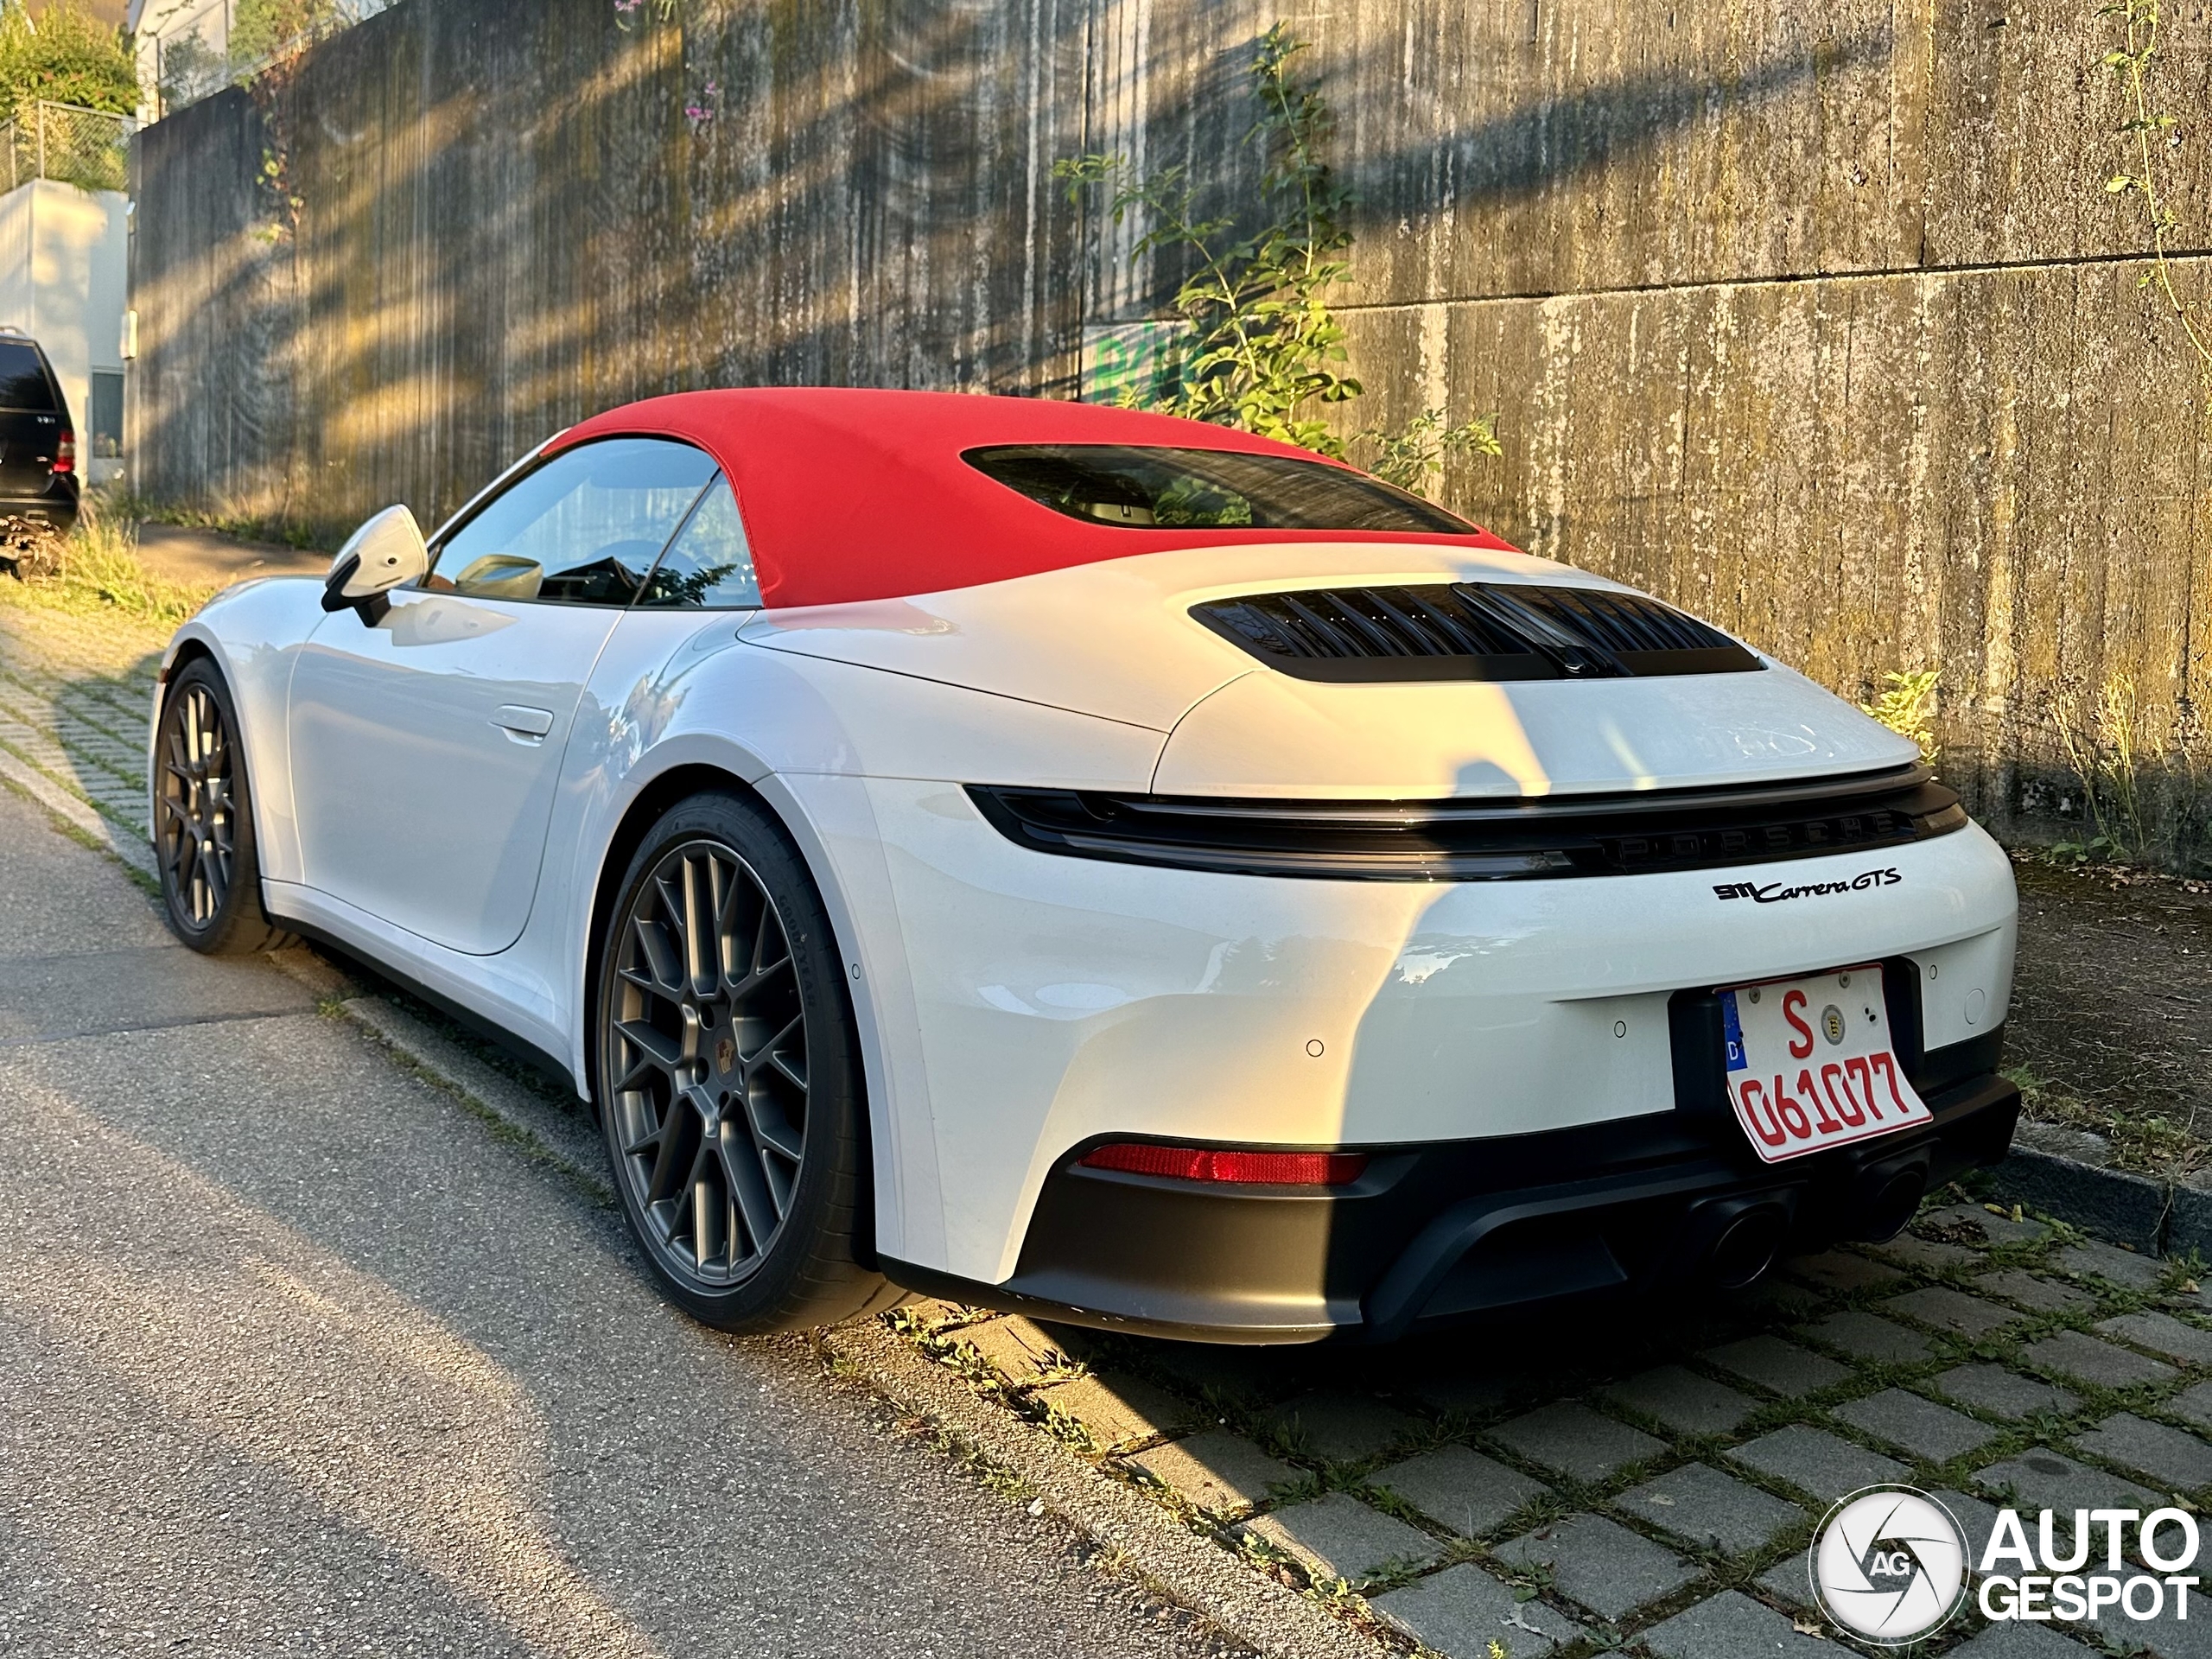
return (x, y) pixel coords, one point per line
(1140, 486)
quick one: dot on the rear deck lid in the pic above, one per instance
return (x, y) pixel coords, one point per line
(1273, 734)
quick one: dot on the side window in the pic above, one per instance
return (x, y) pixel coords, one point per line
(709, 565)
(585, 527)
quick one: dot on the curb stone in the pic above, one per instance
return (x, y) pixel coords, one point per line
(569, 1137)
(564, 1138)
(1211, 1581)
(78, 814)
(2067, 1173)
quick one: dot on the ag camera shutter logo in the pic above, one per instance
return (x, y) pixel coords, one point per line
(1889, 1564)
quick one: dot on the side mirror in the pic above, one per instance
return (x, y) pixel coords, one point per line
(383, 553)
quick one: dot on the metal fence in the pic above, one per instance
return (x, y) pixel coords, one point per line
(88, 148)
(190, 49)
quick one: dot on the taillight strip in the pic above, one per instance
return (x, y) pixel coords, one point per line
(1240, 1166)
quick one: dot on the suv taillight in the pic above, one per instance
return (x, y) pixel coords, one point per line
(64, 453)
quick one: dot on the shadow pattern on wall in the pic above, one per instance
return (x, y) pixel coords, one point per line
(1819, 323)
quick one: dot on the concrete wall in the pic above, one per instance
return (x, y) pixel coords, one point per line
(64, 258)
(1817, 319)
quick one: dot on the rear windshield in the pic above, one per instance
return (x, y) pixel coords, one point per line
(1145, 488)
(23, 384)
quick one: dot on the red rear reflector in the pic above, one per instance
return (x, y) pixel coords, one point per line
(1253, 1168)
(65, 453)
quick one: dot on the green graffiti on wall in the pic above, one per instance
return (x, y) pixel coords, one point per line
(1139, 363)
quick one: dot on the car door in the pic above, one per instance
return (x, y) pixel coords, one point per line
(426, 748)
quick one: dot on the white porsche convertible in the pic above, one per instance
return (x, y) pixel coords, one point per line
(1071, 860)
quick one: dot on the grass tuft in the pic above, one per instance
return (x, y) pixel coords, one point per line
(284, 532)
(96, 570)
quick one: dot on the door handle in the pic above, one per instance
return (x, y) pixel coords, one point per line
(523, 724)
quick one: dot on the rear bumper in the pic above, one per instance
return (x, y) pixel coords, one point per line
(55, 506)
(1452, 1231)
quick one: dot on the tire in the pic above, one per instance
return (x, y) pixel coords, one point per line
(203, 811)
(729, 1081)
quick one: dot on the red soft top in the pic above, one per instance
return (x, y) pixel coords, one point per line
(851, 494)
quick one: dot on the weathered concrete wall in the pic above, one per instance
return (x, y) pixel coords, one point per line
(1817, 319)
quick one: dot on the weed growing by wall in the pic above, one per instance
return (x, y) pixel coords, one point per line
(1906, 704)
(2148, 133)
(1264, 351)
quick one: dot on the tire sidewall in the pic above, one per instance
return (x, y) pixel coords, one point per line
(831, 1166)
(241, 908)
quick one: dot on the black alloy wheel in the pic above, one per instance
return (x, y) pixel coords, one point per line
(203, 820)
(730, 1092)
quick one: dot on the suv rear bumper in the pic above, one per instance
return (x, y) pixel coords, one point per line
(1452, 1231)
(55, 506)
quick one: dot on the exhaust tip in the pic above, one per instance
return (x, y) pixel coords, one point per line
(1893, 1204)
(1746, 1248)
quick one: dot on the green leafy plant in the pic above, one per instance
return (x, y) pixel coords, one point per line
(1263, 350)
(67, 56)
(2097, 850)
(264, 29)
(1906, 704)
(1413, 458)
(2146, 131)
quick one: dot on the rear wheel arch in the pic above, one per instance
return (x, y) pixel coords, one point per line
(684, 796)
(652, 803)
(636, 823)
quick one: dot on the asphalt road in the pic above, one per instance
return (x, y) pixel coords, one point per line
(297, 1357)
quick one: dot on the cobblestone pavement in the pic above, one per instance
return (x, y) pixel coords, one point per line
(75, 693)
(1573, 1489)
(1570, 1490)
(1558, 1489)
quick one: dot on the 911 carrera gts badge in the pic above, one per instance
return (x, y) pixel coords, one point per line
(1773, 892)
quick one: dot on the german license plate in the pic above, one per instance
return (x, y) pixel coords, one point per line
(1810, 1066)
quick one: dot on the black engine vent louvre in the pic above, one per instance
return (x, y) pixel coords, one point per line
(1376, 634)
(1647, 832)
(1640, 635)
(1471, 630)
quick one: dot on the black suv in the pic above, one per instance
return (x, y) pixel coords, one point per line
(38, 444)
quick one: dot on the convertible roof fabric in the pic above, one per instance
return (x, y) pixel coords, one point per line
(850, 494)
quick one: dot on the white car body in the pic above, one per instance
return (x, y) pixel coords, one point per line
(1015, 1005)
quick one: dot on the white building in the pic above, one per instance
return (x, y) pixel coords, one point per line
(185, 47)
(184, 51)
(65, 262)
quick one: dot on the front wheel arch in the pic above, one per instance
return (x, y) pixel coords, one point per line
(236, 922)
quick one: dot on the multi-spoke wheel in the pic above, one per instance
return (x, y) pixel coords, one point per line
(203, 822)
(729, 1086)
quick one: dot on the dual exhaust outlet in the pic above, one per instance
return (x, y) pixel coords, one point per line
(1743, 1235)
